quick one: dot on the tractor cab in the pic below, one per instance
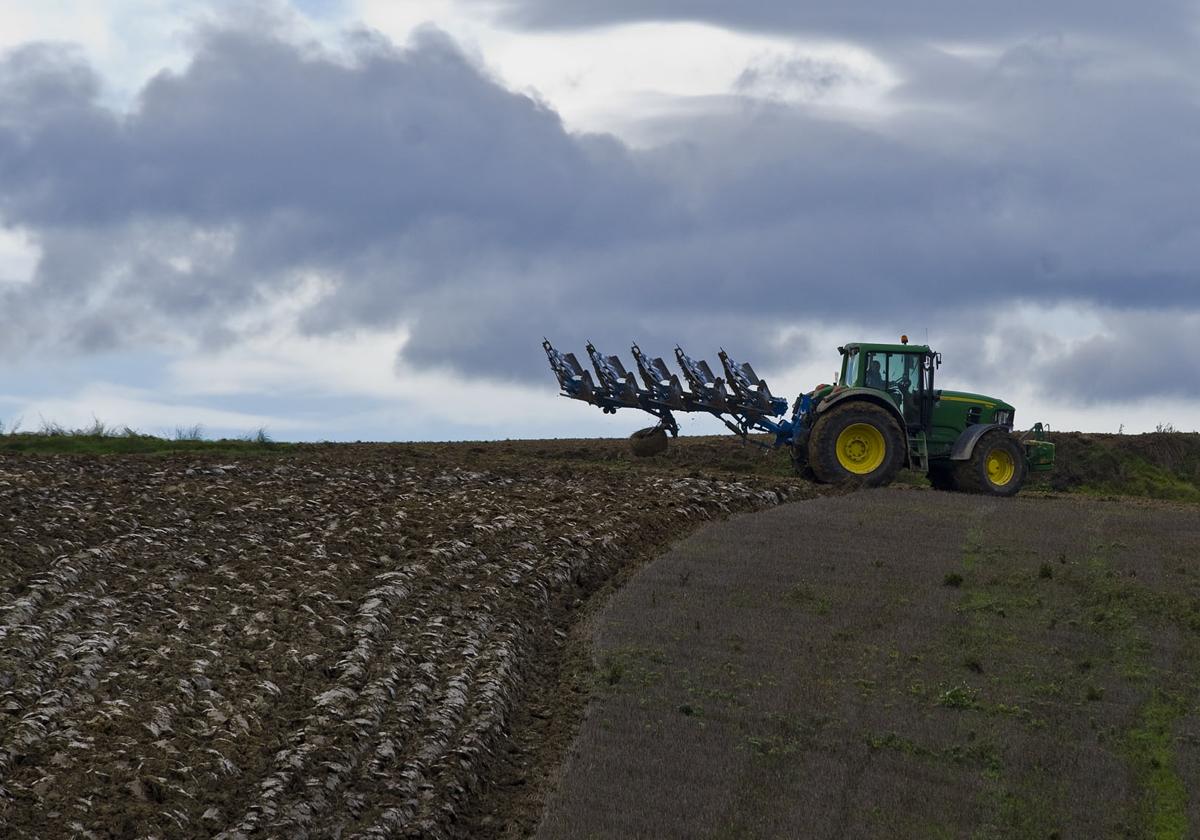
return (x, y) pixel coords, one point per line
(902, 372)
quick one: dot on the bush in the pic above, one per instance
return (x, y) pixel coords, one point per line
(194, 432)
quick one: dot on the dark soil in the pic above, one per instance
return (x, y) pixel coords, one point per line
(338, 641)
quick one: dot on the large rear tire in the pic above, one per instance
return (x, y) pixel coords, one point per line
(996, 467)
(856, 443)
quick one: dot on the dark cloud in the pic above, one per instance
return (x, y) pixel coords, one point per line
(869, 20)
(400, 174)
(259, 128)
(423, 193)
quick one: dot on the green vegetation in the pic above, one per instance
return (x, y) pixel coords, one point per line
(1150, 750)
(1158, 465)
(101, 439)
(633, 666)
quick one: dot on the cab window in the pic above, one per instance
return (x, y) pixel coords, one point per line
(895, 372)
(850, 368)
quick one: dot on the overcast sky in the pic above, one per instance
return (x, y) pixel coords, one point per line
(356, 219)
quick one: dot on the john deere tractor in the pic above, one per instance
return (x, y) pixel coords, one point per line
(883, 413)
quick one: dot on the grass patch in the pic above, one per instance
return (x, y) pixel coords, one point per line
(1149, 747)
(780, 736)
(99, 439)
(631, 667)
(806, 598)
(958, 697)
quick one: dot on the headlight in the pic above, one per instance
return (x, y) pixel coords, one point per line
(1004, 418)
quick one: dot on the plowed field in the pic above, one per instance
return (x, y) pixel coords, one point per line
(331, 642)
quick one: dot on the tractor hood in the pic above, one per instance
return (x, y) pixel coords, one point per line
(966, 397)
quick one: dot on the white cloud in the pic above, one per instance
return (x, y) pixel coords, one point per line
(19, 255)
(611, 78)
(129, 41)
(356, 375)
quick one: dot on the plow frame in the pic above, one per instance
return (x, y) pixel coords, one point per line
(740, 400)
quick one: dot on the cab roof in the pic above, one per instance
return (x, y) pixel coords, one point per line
(920, 349)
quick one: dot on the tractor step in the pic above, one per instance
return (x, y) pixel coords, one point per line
(918, 452)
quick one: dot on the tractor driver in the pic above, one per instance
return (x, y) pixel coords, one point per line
(873, 377)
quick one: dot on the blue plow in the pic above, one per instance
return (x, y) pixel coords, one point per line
(740, 400)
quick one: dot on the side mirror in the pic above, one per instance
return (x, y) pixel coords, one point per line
(937, 359)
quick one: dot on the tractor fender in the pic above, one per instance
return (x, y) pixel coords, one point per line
(866, 394)
(965, 444)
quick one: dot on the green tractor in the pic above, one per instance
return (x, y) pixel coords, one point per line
(884, 413)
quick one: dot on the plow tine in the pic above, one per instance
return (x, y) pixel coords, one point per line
(572, 378)
(708, 391)
(614, 379)
(645, 367)
(751, 391)
(663, 385)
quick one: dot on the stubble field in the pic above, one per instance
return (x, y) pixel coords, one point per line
(901, 664)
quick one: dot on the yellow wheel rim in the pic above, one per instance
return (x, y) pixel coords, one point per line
(1000, 467)
(861, 448)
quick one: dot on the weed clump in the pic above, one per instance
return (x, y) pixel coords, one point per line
(958, 697)
(614, 669)
(952, 579)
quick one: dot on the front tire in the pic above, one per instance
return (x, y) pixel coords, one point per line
(856, 443)
(996, 466)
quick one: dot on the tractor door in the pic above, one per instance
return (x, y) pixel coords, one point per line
(906, 380)
(927, 395)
